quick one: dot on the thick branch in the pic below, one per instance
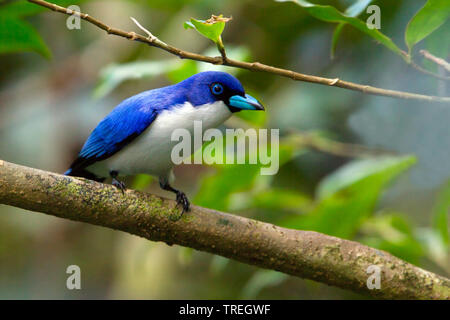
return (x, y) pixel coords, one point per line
(305, 254)
(252, 66)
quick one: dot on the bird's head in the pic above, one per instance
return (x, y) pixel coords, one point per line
(213, 86)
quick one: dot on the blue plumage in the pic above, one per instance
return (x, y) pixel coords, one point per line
(119, 143)
(125, 122)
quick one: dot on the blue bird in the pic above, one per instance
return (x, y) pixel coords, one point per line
(135, 137)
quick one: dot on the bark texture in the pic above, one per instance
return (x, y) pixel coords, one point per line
(305, 254)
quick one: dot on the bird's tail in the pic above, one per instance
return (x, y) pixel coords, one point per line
(83, 174)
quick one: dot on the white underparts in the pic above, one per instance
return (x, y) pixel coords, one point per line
(150, 153)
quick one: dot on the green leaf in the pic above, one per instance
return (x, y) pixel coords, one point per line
(331, 14)
(186, 69)
(115, 74)
(353, 11)
(336, 34)
(256, 119)
(22, 8)
(348, 196)
(211, 28)
(426, 20)
(440, 214)
(357, 8)
(19, 36)
(216, 189)
(276, 200)
(437, 47)
(376, 170)
(392, 232)
(141, 181)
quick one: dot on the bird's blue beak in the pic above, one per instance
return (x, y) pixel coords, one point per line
(245, 103)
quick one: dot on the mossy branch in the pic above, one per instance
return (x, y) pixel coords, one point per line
(305, 254)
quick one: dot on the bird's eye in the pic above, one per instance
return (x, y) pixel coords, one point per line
(217, 88)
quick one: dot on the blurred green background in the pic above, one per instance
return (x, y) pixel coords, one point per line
(56, 84)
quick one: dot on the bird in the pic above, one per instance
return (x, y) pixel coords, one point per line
(135, 137)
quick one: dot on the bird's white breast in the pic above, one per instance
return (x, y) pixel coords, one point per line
(151, 152)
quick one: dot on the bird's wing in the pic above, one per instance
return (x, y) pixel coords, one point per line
(126, 122)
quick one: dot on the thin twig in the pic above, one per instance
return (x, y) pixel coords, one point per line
(151, 37)
(221, 49)
(252, 66)
(439, 61)
(420, 69)
(424, 71)
(314, 141)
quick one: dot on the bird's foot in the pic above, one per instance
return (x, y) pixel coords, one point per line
(183, 200)
(119, 185)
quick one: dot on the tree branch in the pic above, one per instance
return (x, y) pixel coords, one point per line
(305, 254)
(439, 61)
(424, 71)
(316, 142)
(252, 66)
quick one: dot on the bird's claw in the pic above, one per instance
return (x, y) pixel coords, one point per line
(183, 200)
(119, 185)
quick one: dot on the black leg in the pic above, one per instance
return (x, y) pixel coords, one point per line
(117, 183)
(182, 199)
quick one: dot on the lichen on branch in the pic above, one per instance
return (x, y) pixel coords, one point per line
(305, 254)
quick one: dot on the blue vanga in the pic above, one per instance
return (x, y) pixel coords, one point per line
(135, 136)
